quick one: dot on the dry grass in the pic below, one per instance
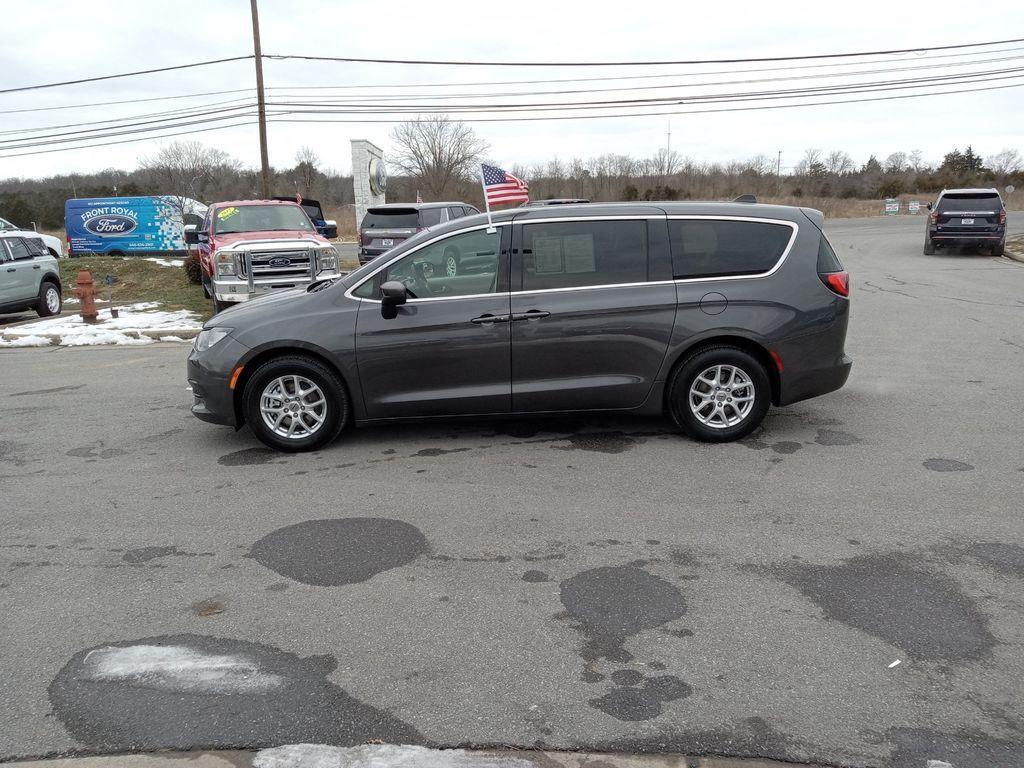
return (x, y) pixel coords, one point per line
(138, 280)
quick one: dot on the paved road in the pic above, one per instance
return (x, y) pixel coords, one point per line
(603, 585)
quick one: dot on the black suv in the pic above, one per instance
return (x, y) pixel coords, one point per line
(966, 217)
(385, 226)
(706, 312)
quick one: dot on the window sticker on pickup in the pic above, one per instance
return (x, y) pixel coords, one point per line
(226, 213)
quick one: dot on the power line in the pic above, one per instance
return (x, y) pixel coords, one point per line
(679, 112)
(123, 74)
(687, 62)
(124, 101)
(545, 81)
(821, 76)
(181, 112)
(939, 80)
(130, 141)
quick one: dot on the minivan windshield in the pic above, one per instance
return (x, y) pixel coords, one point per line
(970, 202)
(261, 218)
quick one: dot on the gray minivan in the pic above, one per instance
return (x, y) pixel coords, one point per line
(706, 312)
(29, 276)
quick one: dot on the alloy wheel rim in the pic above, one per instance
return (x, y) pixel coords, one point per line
(293, 407)
(721, 396)
(52, 299)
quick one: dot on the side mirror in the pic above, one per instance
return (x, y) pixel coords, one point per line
(190, 234)
(393, 294)
(929, 206)
(330, 229)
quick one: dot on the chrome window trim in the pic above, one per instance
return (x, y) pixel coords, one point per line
(683, 280)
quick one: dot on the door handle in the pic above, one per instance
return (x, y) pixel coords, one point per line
(36, 266)
(11, 269)
(488, 319)
(533, 314)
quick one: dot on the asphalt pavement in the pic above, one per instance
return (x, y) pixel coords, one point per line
(844, 587)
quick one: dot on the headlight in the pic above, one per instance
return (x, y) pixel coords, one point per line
(207, 338)
(327, 259)
(225, 263)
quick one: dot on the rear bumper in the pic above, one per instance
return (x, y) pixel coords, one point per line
(814, 382)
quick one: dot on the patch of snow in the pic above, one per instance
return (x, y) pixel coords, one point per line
(72, 300)
(179, 668)
(26, 341)
(168, 262)
(103, 337)
(124, 330)
(173, 338)
(938, 764)
(378, 756)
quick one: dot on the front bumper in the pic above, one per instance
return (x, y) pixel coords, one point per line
(209, 373)
(242, 290)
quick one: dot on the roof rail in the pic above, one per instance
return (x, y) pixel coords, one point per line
(745, 199)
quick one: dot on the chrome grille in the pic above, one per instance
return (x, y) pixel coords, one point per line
(277, 264)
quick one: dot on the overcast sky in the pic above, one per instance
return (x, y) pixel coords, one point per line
(66, 39)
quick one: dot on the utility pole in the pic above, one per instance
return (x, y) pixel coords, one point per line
(778, 175)
(260, 102)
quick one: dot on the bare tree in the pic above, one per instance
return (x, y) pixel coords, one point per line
(838, 162)
(896, 162)
(1006, 162)
(187, 170)
(916, 161)
(665, 162)
(307, 170)
(437, 152)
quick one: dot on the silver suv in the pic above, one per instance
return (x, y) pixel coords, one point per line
(29, 278)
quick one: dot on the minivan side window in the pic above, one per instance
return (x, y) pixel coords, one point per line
(465, 264)
(723, 247)
(575, 254)
(456, 212)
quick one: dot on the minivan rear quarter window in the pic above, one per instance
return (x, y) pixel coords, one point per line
(430, 216)
(724, 247)
(581, 253)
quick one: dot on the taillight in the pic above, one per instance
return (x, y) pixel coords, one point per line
(1002, 216)
(934, 217)
(837, 282)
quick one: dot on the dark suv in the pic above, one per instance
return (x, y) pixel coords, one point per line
(707, 312)
(966, 217)
(385, 226)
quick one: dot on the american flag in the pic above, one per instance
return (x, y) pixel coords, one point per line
(502, 187)
(419, 197)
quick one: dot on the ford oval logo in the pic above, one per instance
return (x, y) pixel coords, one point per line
(280, 262)
(114, 224)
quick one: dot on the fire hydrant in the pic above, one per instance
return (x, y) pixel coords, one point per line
(87, 295)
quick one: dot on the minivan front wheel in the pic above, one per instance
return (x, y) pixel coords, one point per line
(719, 394)
(295, 404)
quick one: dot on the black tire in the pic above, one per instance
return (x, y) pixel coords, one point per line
(46, 292)
(686, 377)
(336, 397)
(219, 306)
(206, 287)
(929, 247)
(999, 248)
(115, 254)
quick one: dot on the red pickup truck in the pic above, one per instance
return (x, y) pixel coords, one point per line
(251, 247)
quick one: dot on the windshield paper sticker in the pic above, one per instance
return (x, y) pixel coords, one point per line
(227, 213)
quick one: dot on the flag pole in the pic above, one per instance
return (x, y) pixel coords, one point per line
(483, 185)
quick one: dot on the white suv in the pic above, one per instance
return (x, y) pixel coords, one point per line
(53, 244)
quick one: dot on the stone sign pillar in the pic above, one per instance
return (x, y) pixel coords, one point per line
(369, 176)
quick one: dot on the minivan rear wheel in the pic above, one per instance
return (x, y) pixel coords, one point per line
(719, 394)
(295, 404)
